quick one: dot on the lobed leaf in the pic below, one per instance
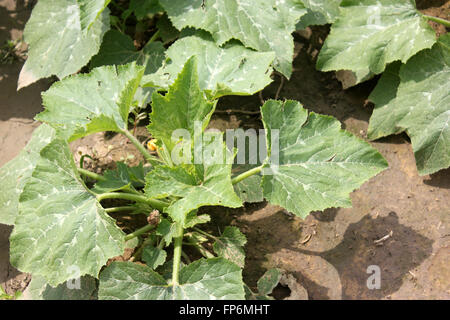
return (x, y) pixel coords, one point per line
(415, 97)
(62, 37)
(16, 172)
(318, 164)
(230, 245)
(154, 257)
(118, 48)
(183, 106)
(319, 12)
(209, 185)
(263, 25)
(203, 279)
(94, 102)
(231, 69)
(39, 289)
(61, 227)
(369, 34)
(121, 178)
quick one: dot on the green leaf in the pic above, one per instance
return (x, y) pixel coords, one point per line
(144, 8)
(61, 226)
(62, 37)
(231, 69)
(118, 48)
(167, 230)
(209, 185)
(416, 98)
(183, 106)
(369, 34)
(230, 245)
(263, 25)
(249, 189)
(385, 123)
(209, 279)
(318, 163)
(319, 12)
(39, 289)
(192, 219)
(269, 281)
(121, 178)
(166, 29)
(16, 172)
(154, 257)
(94, 102)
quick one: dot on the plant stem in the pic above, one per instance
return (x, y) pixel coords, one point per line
(153, 160)
(157, 204)
(139, 231)
(204, 233)
(203, 251)
(91, 174)
(186, 257)
(154, 37)
(438, 20)
(178, 244)
(118, 209)
(246, 174)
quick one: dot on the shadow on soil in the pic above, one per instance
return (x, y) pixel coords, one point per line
(404, 251)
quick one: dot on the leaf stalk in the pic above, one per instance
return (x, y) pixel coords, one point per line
(246, 174)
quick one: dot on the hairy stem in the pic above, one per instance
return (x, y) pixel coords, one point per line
(206, 234)
(157, 204)
(154, 37)
(119, 209)
(246, 174)
(178, 244)
(438, 20)
(186, 257)
(139, 231)
(153, 160)
(91, 174)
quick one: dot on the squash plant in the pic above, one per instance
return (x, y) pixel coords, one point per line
(64, 228)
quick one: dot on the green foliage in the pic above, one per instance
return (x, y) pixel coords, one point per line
(217, 48)
(415, 98)
(60, 223)
(118, 48)
(230, 245)
(94, 102)
(263, 25)
(369, 34)
(16, 172)
(319, 164)
(214, 278)
(62, 36)
(39, 289)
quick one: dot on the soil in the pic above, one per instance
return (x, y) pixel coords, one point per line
(329, 252)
